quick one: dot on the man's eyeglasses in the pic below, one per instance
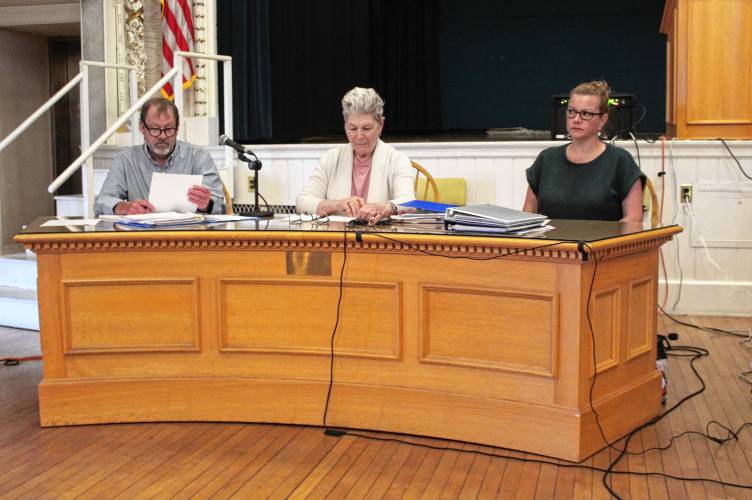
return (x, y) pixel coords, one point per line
(155, 131)
(585, 115)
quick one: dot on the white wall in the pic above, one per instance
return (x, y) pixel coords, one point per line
(25, 165)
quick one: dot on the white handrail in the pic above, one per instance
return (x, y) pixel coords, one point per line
(59, 95)
(108, 133)
(100, 64)
(40, 111)
(86, 179)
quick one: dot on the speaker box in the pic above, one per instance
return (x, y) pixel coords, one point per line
(620, 118)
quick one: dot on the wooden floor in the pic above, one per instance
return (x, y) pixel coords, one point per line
(203, 460)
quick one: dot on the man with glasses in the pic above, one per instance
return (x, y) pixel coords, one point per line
(126, 188)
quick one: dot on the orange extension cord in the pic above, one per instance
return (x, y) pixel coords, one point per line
(662, 175)
(19, 360)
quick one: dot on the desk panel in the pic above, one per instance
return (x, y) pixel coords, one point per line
(494, 329)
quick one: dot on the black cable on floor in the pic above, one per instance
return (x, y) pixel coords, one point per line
(711, 329)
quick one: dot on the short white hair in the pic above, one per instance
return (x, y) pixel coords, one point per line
(363, 101)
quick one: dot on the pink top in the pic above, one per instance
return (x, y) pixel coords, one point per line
(361, 175)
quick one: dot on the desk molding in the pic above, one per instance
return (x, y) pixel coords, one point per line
(449, 245)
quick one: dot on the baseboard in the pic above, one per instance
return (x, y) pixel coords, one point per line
(709, 298)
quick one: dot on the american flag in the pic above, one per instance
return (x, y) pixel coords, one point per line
(177, 34)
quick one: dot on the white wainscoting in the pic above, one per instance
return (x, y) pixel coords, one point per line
(720, 214)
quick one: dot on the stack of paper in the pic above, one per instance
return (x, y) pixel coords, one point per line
(493, 218)
(421, 212)
(155, 219)
(420, 217)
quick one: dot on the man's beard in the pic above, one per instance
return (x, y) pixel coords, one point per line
(160, 150)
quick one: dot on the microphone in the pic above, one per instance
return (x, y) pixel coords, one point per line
(242, 150)
(254, 164)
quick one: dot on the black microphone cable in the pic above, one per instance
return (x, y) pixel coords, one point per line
(738, 163)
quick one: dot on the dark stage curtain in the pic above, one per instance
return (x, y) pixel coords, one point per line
(244, 35)
(318, 50)
(405, 64)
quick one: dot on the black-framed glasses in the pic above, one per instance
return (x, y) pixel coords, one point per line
(155, 131)
(584, 114)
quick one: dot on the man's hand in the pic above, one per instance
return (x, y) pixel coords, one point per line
(133, 207)
(200, 195)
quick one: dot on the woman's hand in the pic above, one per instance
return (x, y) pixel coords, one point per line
(349, 206)
(374, 212)
(631, 207)
(531, 202)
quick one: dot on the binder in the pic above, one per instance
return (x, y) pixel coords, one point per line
(493, 216)
(427, 206)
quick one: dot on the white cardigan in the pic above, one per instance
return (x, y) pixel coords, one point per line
(392, 178)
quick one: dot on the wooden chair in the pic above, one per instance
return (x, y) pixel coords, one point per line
(650, 201)
(428, 182)
(228, 200)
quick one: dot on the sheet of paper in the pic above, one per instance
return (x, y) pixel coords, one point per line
(340, 218)
(169, 192)
(227, 218)
(70, 222)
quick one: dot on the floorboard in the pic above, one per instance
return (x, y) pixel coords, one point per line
(222, 460)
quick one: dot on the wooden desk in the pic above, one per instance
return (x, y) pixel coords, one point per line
(234, 324)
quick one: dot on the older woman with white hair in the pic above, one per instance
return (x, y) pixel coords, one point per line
(365, 178)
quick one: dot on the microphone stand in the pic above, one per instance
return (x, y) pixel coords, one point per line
(254, 164)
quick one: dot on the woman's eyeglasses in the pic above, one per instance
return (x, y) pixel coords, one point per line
(585, 115)
(316, 219)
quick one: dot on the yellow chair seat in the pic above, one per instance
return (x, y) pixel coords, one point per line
(452, 190)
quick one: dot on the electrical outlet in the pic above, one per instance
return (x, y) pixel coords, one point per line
(685, 193)
(251, 185)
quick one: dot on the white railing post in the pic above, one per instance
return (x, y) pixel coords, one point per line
(135, 136)
(179, 56)
(227, 106)
(177, 91)
(87, 174)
